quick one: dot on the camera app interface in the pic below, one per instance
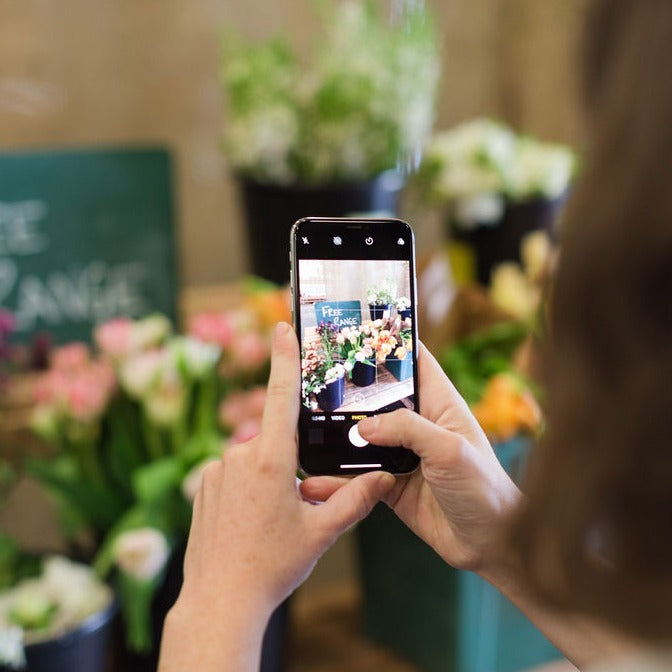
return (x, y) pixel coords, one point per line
(356, 338)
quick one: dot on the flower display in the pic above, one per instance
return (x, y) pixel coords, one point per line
(493, 365)
(480, 165)
(365, 102)
(131, 423)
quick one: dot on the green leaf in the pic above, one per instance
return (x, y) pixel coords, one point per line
(136, 598)
(158, 480)
(471, 362)
(96, 504)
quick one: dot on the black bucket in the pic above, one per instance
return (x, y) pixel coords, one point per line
(493, 245)
(271, 209)
(84, 649)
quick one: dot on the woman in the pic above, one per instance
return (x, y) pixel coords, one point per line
(587, 553)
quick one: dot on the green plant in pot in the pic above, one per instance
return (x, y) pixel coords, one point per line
(322, 379)
(326, 134)
(380, 299)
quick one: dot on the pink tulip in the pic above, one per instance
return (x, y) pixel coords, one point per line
(70, 357)
(212, 328)
(249, 351)
(115, 338)
(240, 407)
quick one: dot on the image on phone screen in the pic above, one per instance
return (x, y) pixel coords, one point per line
(354, 312)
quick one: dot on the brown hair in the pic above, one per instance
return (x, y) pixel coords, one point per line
(596, 533)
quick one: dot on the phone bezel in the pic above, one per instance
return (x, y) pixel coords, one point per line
(397, 460)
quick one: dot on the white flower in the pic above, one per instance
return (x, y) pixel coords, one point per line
(197, 357)
(473, 211)
(473, 158)
(403, 303)
(140, 372)
(166, 403)
(141, 553)
(348, 365)
(191, 483)
(11, 648)
(359, 356)
(150, 331)
(540, 170)
(334, 373)
(74, 587)
(63, 596)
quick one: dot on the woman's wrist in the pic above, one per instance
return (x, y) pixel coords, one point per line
(200, 632)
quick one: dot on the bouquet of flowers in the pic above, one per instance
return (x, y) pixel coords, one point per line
(365, 102)
(480, 165)
(402, 333)
(131, 425)
(371, 341)
(493, 367)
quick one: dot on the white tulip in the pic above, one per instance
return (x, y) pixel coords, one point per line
(150, 331)
(197, 357)
(140, 372)
(141, 553)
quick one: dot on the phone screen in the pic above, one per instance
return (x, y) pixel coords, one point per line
(353, 283)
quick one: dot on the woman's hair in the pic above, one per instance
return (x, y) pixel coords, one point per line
(596, 532)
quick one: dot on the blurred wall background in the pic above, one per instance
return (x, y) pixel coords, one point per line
(82, 72)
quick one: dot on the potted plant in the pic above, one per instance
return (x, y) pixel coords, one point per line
(380, 299)
(399, 363)
(327, 134)
(323, 381)
(357, 349)
(322, 376)
(55, 615)
(496, 186)
(403, 306)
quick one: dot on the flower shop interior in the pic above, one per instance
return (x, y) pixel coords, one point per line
(153, 156)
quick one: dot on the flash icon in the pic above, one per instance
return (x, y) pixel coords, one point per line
(337, 240)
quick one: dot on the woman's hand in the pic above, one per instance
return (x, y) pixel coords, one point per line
(253, 538)
(457, 500)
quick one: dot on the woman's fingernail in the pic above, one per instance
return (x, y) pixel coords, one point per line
(282, 329)
(387, 480)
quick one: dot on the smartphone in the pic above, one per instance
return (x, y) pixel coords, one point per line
(354, 301)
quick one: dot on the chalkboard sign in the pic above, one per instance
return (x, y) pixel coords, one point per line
(340, 313)
(85, 235)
